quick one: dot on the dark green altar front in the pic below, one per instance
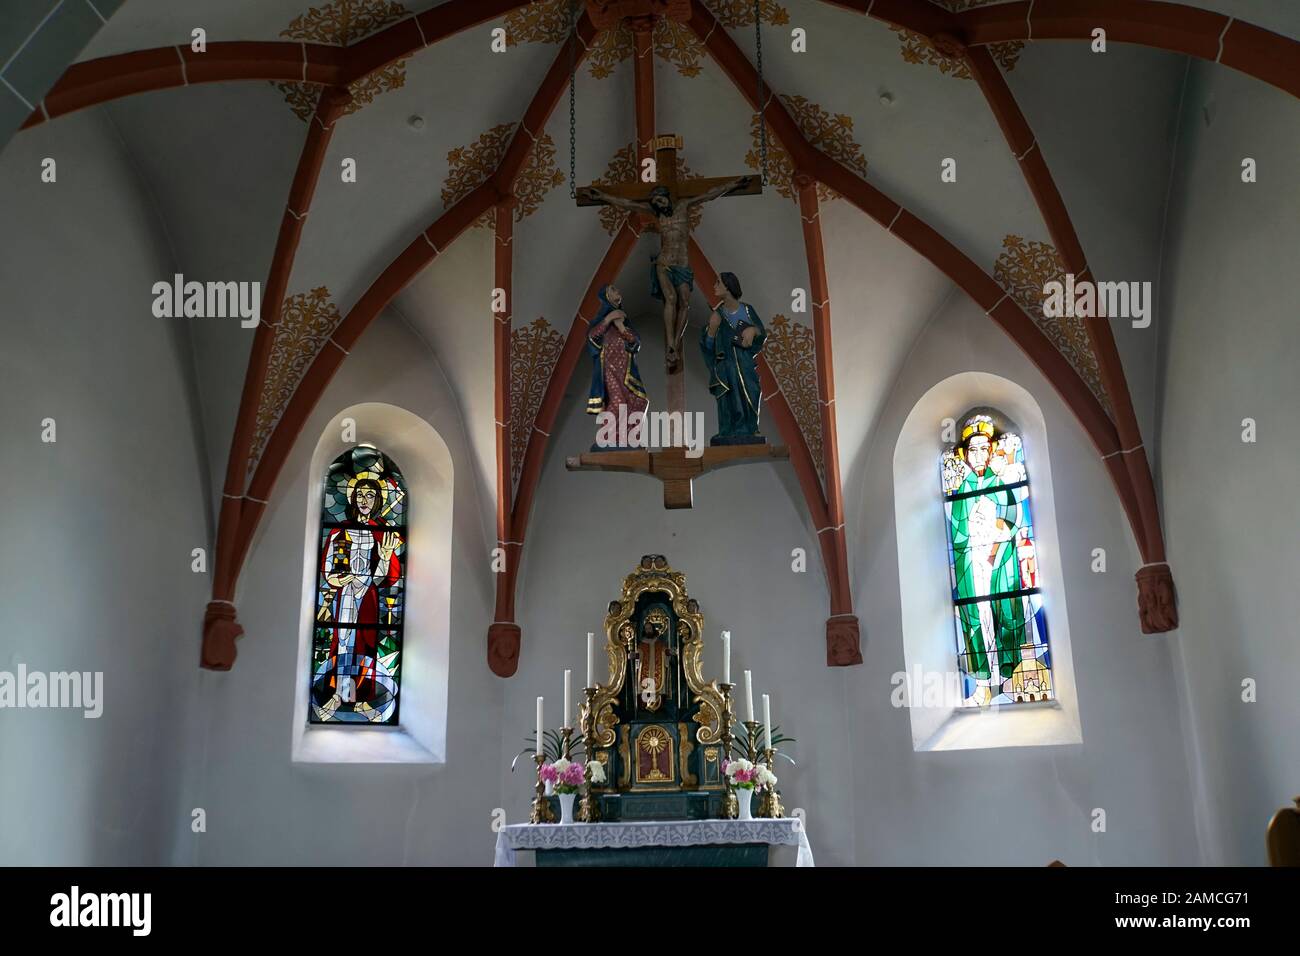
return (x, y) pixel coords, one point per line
(738, 854)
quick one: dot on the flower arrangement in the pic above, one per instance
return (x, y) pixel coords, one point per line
(746, 775)
(568, 775)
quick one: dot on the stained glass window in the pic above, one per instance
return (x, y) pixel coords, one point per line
(1002, 645)
(360, 591)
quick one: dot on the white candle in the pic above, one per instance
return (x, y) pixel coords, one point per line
(591, 659)
(568, 697)
(749, 696)
(726, 657)
(540, 739)
(767, 718)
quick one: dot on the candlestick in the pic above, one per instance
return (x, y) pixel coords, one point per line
(726, 657)
(767, 719)
(769, 804)
(591, 655)
(752, 729)
(568, 696)
(749, 695)
(541, 740)
(730, 805)
(589, 805)
(541, 811)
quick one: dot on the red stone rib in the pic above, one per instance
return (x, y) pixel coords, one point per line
(112, 77)
(1260, 53)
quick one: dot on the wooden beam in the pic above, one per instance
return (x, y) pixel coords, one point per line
(673, 466)
(218, 652)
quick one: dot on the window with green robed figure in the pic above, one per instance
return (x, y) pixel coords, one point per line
(1002, 643)
(360, 591)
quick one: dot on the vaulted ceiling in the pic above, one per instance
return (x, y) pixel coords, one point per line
(1061, 153)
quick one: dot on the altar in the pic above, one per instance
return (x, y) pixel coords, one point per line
(743, 843)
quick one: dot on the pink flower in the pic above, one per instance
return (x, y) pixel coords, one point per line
(548, 773)
(572, 775)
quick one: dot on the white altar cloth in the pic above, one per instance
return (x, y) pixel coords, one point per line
(575, 836)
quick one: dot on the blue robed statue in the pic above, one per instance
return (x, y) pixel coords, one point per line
(731, 343)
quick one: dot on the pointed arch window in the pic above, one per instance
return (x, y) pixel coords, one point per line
(356, 656)
(1003, 654)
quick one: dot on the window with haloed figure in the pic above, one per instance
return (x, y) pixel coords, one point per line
(360, 594)
(1002, 642)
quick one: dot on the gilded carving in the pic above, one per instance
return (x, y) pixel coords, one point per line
(829, 133)
(1022, 269)
(654, 574)
(534, 350)
(306, 322)
(470, 166)
(790, 354)
(340, 24)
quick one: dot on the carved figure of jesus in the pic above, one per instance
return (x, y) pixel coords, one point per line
(671, 278)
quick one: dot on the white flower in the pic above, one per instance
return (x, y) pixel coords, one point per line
(765, 777)
(561, 765)
(597, 771)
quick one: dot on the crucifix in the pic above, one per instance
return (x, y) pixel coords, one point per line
(667, 201)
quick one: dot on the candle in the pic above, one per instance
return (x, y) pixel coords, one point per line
(591, 659)
(568, 697)
(767, 719)
(726, 657)
(540, 739)
(749, 696)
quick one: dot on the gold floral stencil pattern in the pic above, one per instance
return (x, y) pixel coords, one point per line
(1023, 269)
(831, 134)
(790, 354)
(534, 350)
(307, 320)
(471, 165)
(341, 23)
(623, 169)
(915, 48)
(548, 21)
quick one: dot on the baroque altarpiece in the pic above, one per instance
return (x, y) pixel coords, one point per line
(658, 721)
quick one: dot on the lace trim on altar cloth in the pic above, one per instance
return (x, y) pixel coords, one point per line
(577, 836)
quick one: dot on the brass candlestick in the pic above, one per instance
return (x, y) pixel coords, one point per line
(730, 805)
(752, 729)
(566, 745)
(769, 804)
(588, 806)
(541, 812)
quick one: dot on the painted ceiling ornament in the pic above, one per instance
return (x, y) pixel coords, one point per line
(832, 134)
(534, 350)
(945, 52)
(341, 23)
(469, 166)
(307, 320)
(547, 21)
(790, 355)
(1023, 269)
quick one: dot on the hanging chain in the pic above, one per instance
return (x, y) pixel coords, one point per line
(762, 106)
(573, 99)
